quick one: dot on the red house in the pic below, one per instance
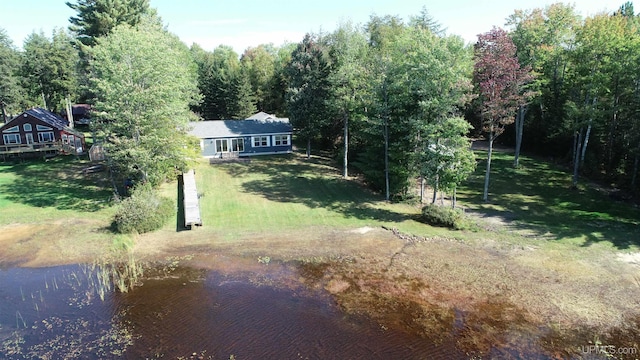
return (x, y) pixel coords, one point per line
(39, 129)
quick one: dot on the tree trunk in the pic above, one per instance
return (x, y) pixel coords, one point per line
(308, 147)
(586, 142)
(345, 171)
(576, 159)
(522, 111)
(485, 196)
(635, 171)
(69, 110)
(454, 197)
(435, 191)
(421, 189)
(612, 129)
(386, 160)
(4, 113)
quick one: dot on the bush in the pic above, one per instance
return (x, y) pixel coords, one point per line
(445, 216)
(144, 211)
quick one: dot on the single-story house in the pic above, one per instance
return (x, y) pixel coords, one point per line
(220, 138)
(36, 128)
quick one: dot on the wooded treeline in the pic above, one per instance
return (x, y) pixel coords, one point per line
(391, 99)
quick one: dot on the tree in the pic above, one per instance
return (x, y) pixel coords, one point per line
(225, 87)
(145, 80)
(258, 63)
(544, 39)
(419, 78)
(10, 89)
(348, 81)
(308, 74)
(447, 158)
(49, 69)
(499, 79)
(96, 18)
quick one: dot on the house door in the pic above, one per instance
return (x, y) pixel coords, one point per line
(222, 146)
(29, 138)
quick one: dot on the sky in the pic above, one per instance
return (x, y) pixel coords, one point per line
(247, 23)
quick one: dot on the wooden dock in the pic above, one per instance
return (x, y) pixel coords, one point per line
(191, 201)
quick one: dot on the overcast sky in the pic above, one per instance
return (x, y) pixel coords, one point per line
(244, 23)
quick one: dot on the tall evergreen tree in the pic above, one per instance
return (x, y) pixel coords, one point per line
(49, 69)
(308, 74)
(10, 89)
(225, 87)
(96, 18)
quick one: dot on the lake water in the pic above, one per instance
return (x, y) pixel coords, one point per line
(58, 313)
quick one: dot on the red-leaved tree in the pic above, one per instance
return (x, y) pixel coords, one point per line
(499, 81)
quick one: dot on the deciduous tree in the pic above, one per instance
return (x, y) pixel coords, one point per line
(499, 80)
(145, 80)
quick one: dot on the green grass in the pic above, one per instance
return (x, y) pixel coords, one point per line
(37, 191)
(538, 197)
(287, 193)
(291, 193)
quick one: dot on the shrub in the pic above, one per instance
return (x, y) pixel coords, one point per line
(445, 216)
(144, 211)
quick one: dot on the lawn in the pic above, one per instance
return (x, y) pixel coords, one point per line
(287, 193)
(292, 193)
(537, 197)
(37, 191)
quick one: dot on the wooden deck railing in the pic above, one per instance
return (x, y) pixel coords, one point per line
(37, 147)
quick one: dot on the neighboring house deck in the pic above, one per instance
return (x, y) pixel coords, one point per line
(38, 131)
(249, 137)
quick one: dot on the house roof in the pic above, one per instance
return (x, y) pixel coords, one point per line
(263, 116)
(230, 128)
(47, 117)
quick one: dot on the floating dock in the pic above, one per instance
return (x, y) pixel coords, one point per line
(191, 201)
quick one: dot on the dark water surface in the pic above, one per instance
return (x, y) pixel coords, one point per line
(57, 313)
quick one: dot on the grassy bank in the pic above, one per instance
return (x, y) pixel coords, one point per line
(537, 199)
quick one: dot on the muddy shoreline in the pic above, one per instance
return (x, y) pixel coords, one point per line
(490, 300)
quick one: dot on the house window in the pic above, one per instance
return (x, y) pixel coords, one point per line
(281, 140)
(11, 130)
(237, 145)
(46, 137)
(260, 141)
(29, 138)
(27, 127)
(64, 139)
(222, 145)
(42, 128)
(11, 139)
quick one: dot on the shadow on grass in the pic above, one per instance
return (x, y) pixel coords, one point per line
(538, 197)
(180, 213)
(58, 183)
(314, 183)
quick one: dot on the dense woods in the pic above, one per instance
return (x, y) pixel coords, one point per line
(394, 100)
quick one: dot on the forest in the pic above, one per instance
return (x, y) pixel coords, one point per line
(392, 99)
